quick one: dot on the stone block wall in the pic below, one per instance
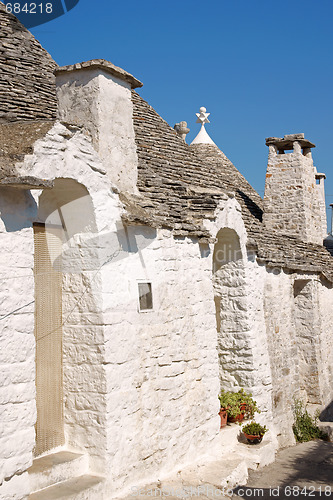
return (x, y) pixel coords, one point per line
(299, 335)
(308, 329)
(90, 211)
(292, 201)
(17, 342)
(27, 86)
(325, 369)
(281, 338)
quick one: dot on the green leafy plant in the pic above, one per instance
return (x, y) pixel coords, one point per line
(238, 402)
(254, 429)
(305, 427)
(251, 406)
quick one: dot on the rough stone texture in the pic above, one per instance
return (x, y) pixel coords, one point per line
(27, 84)
(17, 343)
(101, 103)
(308, 328)
(130, 378)
(280, 331)
(17, 140)
(292, 202)
(298, 329)
(325, 368)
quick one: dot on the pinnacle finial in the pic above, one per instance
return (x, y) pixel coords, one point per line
(202, 116)
(202, 137)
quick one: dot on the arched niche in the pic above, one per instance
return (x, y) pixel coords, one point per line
(231, 308)
(70, 239)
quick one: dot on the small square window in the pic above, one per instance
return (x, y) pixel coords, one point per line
(145, 297)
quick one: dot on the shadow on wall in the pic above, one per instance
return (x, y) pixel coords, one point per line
(252, 207)
(18, 209)
(327, 414)
(306, 467)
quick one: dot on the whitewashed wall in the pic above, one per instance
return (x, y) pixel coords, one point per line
(90, 211)
(162, 369)
(17, 342)
(326, 342)
(140, 387)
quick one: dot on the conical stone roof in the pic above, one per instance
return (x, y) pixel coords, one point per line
(27, 82)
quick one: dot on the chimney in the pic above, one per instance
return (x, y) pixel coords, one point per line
(294, 201)
(96, 95)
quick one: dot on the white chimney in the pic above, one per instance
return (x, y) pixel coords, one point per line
(96, 95)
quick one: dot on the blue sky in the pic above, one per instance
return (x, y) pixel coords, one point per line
(261, 68)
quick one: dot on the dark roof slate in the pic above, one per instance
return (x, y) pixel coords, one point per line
(180, 184)
(27, 83)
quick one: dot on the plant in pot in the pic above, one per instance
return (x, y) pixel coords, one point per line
(254, 432)
(244, 406)
(227, 402)
(247, 404)
(236, 406)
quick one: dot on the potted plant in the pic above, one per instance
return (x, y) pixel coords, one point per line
(238, 405)
(254, 432)
(226, 402)
(247, 404)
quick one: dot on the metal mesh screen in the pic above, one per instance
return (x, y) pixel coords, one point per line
(48, 332)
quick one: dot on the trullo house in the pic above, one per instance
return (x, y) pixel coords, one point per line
(140, 276)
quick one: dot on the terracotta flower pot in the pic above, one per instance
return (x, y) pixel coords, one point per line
(224, 416)
(253, 439)
(240, 416)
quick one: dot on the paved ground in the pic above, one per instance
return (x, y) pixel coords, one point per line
(304, 471)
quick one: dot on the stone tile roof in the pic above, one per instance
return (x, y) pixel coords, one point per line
(286, 252)
(27, 83)
(106, 66)
(180, 185)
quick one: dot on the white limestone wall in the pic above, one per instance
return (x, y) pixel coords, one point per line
(101, 103)
(262, 377)
(162, 369)
(326, 344)
(89, 209)
(244, 359)
(299, 331)
(17, 342)
(308, 335)
(282, 344)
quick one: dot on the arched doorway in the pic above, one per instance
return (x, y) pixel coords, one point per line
(67, 213)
